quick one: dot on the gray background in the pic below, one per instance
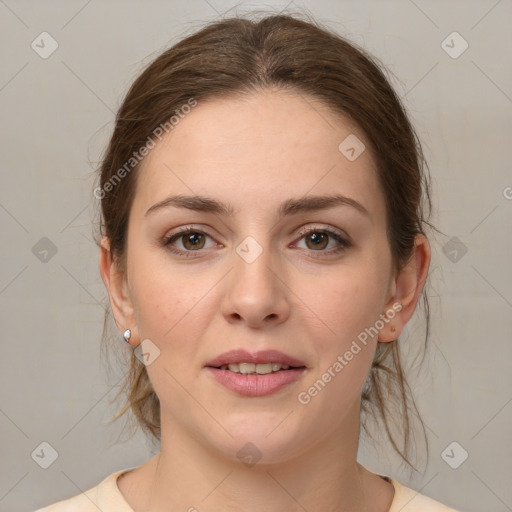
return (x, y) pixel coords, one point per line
(57, 115)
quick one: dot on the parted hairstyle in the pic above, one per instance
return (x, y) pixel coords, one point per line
(242, 55)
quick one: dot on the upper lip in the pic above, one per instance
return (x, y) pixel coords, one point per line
(263, 356)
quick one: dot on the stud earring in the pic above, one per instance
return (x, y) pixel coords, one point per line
(127, 335)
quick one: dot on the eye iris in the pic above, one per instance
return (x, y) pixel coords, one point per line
(317, 239)
(193, 238)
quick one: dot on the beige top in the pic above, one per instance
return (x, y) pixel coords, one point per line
(107, 497)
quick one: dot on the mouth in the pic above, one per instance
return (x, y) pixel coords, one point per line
(261, 363)
(257, 374)
(256, 368)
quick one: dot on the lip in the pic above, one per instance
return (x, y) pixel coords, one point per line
(263, 356)
(256, 385)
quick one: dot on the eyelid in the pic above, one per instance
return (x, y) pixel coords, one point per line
(327, 228)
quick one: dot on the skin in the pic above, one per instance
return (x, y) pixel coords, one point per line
(254, 152)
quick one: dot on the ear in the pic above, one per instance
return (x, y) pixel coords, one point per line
(115, 282)
(406, 290)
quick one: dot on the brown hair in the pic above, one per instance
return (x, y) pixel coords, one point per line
(236, 56)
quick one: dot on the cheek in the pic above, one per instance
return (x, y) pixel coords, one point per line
(343, 347)
(167, 302)
(171, 314)
(346, 304)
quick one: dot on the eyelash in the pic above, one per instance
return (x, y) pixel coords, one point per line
(343, 243)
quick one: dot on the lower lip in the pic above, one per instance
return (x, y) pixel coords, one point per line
(256, 385)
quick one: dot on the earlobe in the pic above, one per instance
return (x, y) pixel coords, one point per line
(393, 325)
(115, 282)
(407, 288)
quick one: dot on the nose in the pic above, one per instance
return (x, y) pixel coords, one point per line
(257, 294)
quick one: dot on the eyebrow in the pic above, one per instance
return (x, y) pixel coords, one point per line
(288, 207)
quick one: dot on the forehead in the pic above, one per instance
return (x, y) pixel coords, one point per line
(258, 148)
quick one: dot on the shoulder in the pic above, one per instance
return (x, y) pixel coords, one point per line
(105, 497)
(408, 500)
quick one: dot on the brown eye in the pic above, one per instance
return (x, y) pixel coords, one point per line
(318, 240)
(187, 241)
(193, 241)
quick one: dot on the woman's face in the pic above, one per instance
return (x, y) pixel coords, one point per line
(250, 277)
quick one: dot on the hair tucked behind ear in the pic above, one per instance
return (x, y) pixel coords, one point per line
(236, 56)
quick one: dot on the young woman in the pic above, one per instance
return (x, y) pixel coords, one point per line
(263, 247)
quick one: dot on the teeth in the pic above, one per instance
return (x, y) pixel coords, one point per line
(251, 368)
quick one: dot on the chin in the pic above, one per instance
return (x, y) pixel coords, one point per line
(263, 439)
